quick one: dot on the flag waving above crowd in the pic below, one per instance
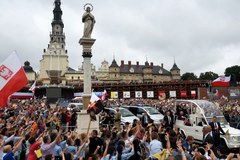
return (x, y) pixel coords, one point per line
(12, 78)
(221, 81)
(95, 106)
(32, 88)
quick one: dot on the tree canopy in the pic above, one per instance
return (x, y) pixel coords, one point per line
(208, 76)
(189, 76)
(234, 71)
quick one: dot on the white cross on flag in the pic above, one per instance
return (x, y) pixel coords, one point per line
(12, 78)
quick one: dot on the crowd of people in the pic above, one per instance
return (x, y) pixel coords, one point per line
(33, 130)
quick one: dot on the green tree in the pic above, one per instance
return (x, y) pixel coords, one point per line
(234, 71)
(208, 76)
(189, 76)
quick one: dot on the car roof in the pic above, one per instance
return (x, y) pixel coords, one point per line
(138, 107)
(114, 108)
(76, 103)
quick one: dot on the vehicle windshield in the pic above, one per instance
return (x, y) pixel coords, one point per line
(125, 113)
(152, 111)
(79, 105)
(220, 119)
(209, 108)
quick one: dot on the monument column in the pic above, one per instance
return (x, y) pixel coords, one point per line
(83, 120)
(87, 82)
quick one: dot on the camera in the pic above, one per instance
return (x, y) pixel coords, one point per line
(235, 155)
(209, 152)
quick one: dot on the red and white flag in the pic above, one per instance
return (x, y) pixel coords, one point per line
(12, 78)
(221, 81)
(32, 88)
(93, 100)
(95, 106)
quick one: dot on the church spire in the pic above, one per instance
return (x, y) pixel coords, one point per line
(57, 13)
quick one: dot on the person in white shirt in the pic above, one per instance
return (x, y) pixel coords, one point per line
(155, 145)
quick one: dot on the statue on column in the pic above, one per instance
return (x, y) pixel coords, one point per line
(88, 20)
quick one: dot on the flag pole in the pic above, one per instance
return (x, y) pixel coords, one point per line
(89, 124)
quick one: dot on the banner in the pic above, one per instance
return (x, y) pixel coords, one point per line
(114, 95)
(234, 93)
(161, 95)
(126, 94)
(214, 94)
(150, 94)
(138, 94)
(183, 94)
(172, 94)
(23, 95)
(78, 94)
(193, 93)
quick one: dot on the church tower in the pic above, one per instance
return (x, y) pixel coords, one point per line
(175, 71)
(54, 62)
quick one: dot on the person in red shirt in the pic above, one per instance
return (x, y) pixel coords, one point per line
(34, 145)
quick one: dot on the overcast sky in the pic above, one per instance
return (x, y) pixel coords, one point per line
(202, 35)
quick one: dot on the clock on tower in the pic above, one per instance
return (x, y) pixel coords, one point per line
(57, 28)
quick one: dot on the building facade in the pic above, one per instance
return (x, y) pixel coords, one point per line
(54, 62)
(103, 72)
(142, 73)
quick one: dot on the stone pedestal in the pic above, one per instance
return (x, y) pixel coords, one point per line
(87, 82)
(83, 122)
(87, 44)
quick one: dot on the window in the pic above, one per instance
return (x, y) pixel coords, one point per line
(140, 111)
(160, 71)
(131, 70)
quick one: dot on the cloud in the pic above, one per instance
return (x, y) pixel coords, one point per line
(201, 35)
